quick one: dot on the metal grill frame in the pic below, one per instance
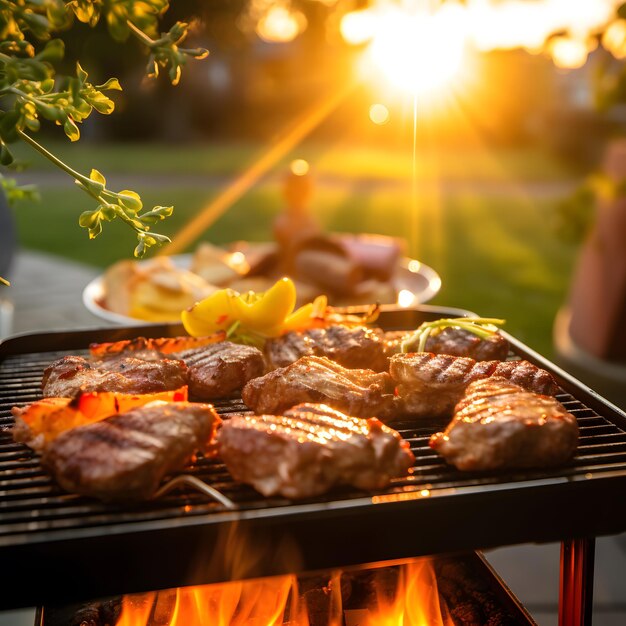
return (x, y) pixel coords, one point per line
(64, 563)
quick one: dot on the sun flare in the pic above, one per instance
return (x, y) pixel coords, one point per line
(419, 53)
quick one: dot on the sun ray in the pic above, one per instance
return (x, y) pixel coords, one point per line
(251, 175)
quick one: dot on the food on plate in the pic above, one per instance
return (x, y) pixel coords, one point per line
(348, 269)
(155, 290)
(125, 457)
(324, 262)
(39, 423)
(430, 385)
(499, 425)
(212, 370)
(220, 369)
(217, 266)
(358, 392)
(71, 375)
(311, 448)
(353, 347)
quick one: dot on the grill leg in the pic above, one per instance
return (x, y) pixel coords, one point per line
(576, 586)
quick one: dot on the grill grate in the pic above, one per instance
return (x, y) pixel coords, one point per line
(435, 509)
(31, 502)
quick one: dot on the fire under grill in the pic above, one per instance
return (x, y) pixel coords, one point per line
(461, 590)
(58, 548)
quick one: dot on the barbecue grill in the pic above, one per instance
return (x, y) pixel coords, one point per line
(58, 548)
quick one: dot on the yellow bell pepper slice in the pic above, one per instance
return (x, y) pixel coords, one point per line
(268, 311)
(302, 318)
(214, 313)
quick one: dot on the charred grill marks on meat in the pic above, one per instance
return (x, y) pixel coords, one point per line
(126, 456)
(67, 376)
(212, 371)
(431, 385)
(351, 347)
(220, 369)
(310, 449)
(361, 393)
(498, 424)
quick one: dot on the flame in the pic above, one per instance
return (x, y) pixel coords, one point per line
(259, 602)
(416, 602)
(404, 596)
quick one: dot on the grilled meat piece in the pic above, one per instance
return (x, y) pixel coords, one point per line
(67, 376)
(126, 456)
(498, 424)
(457, 342)
(219, 369)
(211, 371)
(351, 347)
(431, 385)
(311, 448)
(361, 393)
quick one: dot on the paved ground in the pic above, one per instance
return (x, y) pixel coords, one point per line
(46, 295)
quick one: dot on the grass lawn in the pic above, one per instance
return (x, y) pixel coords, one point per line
(364, 162)
(497, 256)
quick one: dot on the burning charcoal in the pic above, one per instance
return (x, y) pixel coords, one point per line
(99, 613)
(470, 599)
(318, 604)
(163, 608)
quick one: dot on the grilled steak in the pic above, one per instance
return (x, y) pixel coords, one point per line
(431, 385)
(211, 371)
(67, 376)
(361, 393)
(219, 369)
(351, 347)
(311, 448)
(497, 424)
(126, 456)
(457, 342)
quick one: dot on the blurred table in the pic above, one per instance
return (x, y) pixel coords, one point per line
(46, 294)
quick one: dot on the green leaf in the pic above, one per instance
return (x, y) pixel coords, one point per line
(130, 200)
(33, 124)
(95, 231)
(53, 52)
(197, 53)
(71, 130)
(174, 74)
(89, 219)
(50, 112)
(621, 11)
(102, 104)
(157, 214)
(140, 250)
(6, 157)
(178, 32)
(112, 83)
(47, 85)
(9, 124)
(80, 73)
(97, 177)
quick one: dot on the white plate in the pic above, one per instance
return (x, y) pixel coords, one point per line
(414, 282)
